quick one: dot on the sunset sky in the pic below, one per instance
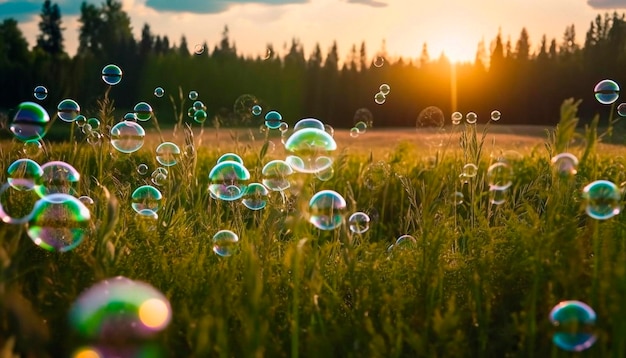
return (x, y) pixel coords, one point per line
(451, 26)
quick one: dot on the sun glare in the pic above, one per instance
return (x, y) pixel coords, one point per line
(457, 47)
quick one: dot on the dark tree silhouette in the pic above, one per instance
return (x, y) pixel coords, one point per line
(50, 40)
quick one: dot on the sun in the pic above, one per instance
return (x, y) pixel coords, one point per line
(457, 47)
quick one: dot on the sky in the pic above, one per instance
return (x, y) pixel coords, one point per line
(453, 27)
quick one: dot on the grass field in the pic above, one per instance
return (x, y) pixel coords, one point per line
(481, 279)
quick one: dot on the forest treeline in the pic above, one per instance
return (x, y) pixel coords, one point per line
(526, 82)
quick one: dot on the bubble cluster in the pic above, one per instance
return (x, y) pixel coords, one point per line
(573, 323)
(30, 122)
(127, 137)
(40, 93)
(327, 209)
(606, 91)
(225, 243)
(120, 309)
(359, 222)
(111, 74)
(602, 199)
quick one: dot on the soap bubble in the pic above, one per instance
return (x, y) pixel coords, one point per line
(606, 91)
(621, 109)
(225, 243)
(193, 95)
(326, 210)
(456, 118)
(379, 61)
(58, 177)
(469, 170)
(380, 98)
(200, 116)
(574, 323)
(276, 175)
(565, 164)
(143, 111)
(80, 121)
(111, 75)
(142, 169)
(471, 118)
(68, 110)
(311, 148)
(458, 198)
(500, 175)
(159, 176)
(127, 136)
(198, 49)
(87, 200)
(30, 122)
(94, 123)
(120, 309)
(198, 105)
(146, 197)
(602, 199)
(243, 106)
(384, 89)
(430, 123)
(359, 222)
(32, 147)
(58, 222)
(376, 175)
(159, 92)
(361, 126)
(130, 116)
(354, 132)
(309, 123)
(40, 93)
(167, 154)
(255, 196)
(228, 180)
(363, 115)
(403, 243)
(256, 110)
(273, 119)
(497, 195)
(495, 115)
(231, 157)
(24, 174)
(16, 205)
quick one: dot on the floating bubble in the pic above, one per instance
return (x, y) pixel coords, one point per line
(361, 126)
(167, 154)
(621, 109)
(273, 119)
(159, 92)
(58, 177)
(80, 120)
(193, 95)
(458, 198)
(94, 123)
(430, 123)
(276, 175)
(32, 147)
(255, 196)
(29, 122)
(127, 136)
(111, 75)
(228, 180)
(200, 116)
(86, 128)
(130, 116)
(497, 196)
(243, 106)
(403, 243)
(495, 115)
(142, 169)
(268, 53)
(500, 175)
(384, 89)
(456, 118)
(309, 123)
(94, 137)
(602, 199)
(363, 115)
(380, 98)
(225, 243)
(229, 157)
(329, 129)
(565, 164)
(469, 170)
(311, 148)
(120, 309)
(87, 200)
(574, 323)
(16, 205)
(359, 222)
(379, 61)
(40, 93)
(471, 117)
(24, 174)
(58, 222)
(283, 128)
(606, 91)
(146, 197)
(326, 210)
(68, 110)
(326, 174)
(198, 49)
(376, 175)
(159, 176)
(354, 132)
(198, 105)
(256, 110)
(143, 111)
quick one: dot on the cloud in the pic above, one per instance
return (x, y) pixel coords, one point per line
(372, 3)
(607, 4)
(212, 6)
(23, 10)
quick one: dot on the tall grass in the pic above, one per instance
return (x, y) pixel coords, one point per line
(480, 281)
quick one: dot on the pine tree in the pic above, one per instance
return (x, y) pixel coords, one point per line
(50, 40)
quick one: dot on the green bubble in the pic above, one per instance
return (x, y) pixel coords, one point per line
(29, 122)
(143, 111)
(68, 110)
(146, 197)
(24, 174)
(57, 177)
(255, 196)
(309, 123)
(308, 145)
(200, 116)
(229, 156)
(111, 74)
(273, 119)
(228, 180)
(327, 209)
(58, 222)
(574, 323)
(94, 123)
(602, 199)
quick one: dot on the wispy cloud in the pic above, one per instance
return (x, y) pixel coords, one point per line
(607, 4)
(23, 10)
(372, 3)
(213, 6)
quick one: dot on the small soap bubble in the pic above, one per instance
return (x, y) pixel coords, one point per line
(94, 123)
(606, 91)
(40, 93)
(384, 89)
(602, 199)
(167, 154)
(143, 111)
(495, 115)
(193, 95)
(58, 177)
(457, 198)
(80, 121)
(471, 117)
(30, 122)
(273, 119)
(225, 243)
(354, 132)
(130, 116)
(87, 200)
(228, 180)
(497, 196)
(159, 92)
(24, 174)
(200, 116)
(376, 175)
(276, 175)
(500, 175)
(230, 157)
(329, 129)
(198, 105)
(379, 61)
(256, 110)
(127, 137)
(565, 164)
(255, 196)
(326, 174)
(111, 74)
(380, 98)
(621, 109)
(574, 325)
(159, 176)
(142, 169)
(198, 49)
(327, 209)
(359, 222)
(470, 170)
(32, 148)
(68, 110)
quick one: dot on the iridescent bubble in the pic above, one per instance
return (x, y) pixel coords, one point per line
(198, 49)
(118, 310)
(379, 61)
(127, 136)
(159, 176)
(621, 109)
(602, 199)
(193, 95)
(311, 148)
(361, 126)
(565, 164)
(142, 169)
(359, 222)
(384, 89)
(255, 196)
(327, 209)
(574, 323)
(32, 147)
(500, 175)
(606, 91)
(228, 180)
(143, 111)
(159, 92)
(354, 132)
(495, 115)
(380, 98)
(80, 120)
(200, 116)
(58, 177)
(243, 106)
(167, 154)
(58, 222)
(257, 110)
(229, 157)
(470, 170)
(497, 196)
(94, 123)
(276, 175)
(326, 174)
(68, 110)
(225, 243)
(430, 124)
(308, 123)
(146, 197)
(130, 116)
(111, 75)
(24, 174)
(30, 122)
(40, 93)
(376, 175)
(471, 117)
(198, 105)
(456, 118)
(283, 127)
(273, 119)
